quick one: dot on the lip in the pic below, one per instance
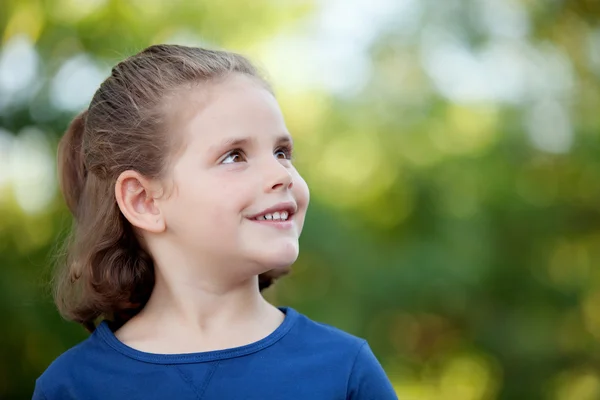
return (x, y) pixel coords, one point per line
(283, 225)
(289, 206)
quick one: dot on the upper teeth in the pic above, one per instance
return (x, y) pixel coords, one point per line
(277, 215)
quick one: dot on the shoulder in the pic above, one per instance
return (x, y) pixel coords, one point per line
(320, 334)
(324, 344)
(67, 360)
(347, 353)
(69, 366)
(368, 380)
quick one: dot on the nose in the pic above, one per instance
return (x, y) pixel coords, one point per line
(277, 177)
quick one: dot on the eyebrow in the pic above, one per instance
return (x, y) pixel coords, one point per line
(244, 141)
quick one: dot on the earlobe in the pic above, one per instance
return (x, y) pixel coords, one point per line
(135, 197)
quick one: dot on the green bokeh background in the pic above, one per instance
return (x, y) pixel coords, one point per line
(453, 165)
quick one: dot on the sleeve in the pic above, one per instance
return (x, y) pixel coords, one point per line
(368, 380)
(38, 394)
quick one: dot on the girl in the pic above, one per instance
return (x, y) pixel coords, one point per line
(186, 204)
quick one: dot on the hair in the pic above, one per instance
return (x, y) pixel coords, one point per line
(105, 273)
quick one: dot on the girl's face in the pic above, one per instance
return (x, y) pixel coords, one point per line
(237, 200)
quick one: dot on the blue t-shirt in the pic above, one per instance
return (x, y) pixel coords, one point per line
(301, 359)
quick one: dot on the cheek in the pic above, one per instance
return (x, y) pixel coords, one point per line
(223, 202)
(234, 194)
(301, 191)
(192, 204)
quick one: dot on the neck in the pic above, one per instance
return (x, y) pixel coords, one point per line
(199, 307)
(196, 316)
(204, 305)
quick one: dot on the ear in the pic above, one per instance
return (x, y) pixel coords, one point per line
(136, 198)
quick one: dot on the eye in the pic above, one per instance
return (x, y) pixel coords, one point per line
(234, 156)
(284, 153)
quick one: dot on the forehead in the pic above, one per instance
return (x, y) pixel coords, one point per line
(238, 105)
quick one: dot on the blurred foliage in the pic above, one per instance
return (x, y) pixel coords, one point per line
(454, 219)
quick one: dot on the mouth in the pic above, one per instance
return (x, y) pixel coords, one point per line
(276, 216)
(281, 212)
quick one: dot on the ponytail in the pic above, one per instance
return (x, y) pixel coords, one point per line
(105, 271)
(266, 279)
(71, 167)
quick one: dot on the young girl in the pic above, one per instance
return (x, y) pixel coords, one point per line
(186, 204)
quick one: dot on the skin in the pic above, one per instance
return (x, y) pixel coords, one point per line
(197, 221)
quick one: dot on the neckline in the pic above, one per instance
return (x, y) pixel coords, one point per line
(104, 332)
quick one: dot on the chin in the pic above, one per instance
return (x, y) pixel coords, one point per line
(276, 258)
(281, 260)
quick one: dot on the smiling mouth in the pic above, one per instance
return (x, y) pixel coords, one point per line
(277, 216)
(278, 213)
